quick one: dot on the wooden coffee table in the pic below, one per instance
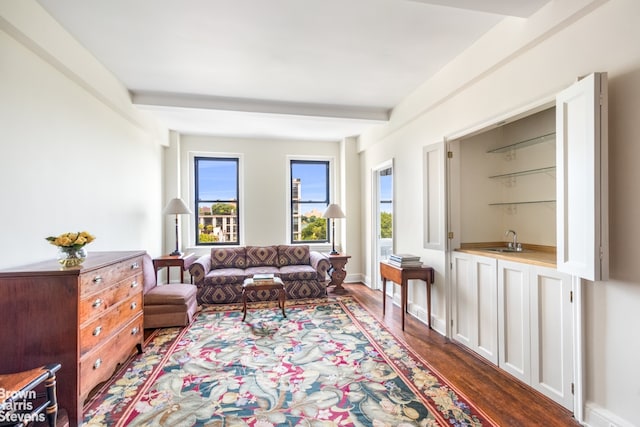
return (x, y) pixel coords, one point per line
(249, 286)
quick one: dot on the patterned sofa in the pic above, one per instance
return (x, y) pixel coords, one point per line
(219, 276)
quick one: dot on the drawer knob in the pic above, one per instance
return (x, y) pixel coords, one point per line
(135, 331)
(97, 303)
(134, 284)
(97, 279)
(97, 331)
(134, 305)
(135, 265)
(97, 364)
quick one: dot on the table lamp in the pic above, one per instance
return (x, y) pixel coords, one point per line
(176, 207)
(333, 211)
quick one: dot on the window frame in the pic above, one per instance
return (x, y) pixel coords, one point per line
(197, 200)
(328, 191)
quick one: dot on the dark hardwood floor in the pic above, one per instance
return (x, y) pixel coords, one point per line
(503, 398)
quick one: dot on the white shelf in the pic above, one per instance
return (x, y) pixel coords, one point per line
(528, 202)
(526, 143)
(550, 169)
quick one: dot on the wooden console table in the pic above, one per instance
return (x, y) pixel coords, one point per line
(337, 272)
(401, 275)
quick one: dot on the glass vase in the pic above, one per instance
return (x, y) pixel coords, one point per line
(71, 257)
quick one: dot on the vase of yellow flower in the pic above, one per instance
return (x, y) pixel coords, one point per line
(71, 247)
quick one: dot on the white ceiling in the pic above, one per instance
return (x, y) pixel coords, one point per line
(303, 69)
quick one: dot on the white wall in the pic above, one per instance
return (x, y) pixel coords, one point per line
(264, 175)
(75, 154)
(518, 65)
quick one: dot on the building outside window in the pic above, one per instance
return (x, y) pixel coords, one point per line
(216, 200)
(309, 199)
(386, 212)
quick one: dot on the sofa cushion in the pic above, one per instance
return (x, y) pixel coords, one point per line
(298, 272)
(173, 294)
(293, 255)
(262, 255)
(228, 258)
(224, 276)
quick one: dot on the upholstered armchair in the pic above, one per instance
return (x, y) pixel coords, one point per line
(173, 304)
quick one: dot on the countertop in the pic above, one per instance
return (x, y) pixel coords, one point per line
(543, 256)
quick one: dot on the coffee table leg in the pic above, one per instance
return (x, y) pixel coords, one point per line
(283, 297)
(244, 304)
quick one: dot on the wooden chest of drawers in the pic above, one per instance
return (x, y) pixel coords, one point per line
(89, 319)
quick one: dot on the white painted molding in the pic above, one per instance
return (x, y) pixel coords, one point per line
(597, 416)
(181, 100)
(354, 278)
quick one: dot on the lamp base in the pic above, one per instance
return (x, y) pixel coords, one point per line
(176, 253)
(334, 252)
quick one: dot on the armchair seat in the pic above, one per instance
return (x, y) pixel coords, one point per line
(167, 305)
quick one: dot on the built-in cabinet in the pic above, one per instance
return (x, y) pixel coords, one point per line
(518, 316)
(551, 320)
(535, 328)
(475, 308)
(542, 174)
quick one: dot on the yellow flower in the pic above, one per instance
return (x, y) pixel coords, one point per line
(74, 239)
(63, 241)
(89, 238)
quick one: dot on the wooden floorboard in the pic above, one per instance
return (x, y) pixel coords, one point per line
(504, 399)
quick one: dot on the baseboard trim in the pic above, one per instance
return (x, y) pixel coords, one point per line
(597, 416)
(354, 278)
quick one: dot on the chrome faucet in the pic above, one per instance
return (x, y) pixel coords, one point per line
(513, 245)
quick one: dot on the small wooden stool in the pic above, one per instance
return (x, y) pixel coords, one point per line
(249, 285)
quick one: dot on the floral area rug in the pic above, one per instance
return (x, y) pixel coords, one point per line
(328, 363)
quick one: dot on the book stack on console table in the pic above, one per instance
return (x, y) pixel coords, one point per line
(405, 260)
(263, 279)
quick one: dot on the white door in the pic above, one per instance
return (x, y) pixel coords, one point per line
(474, 304)
(582, 178)
(383, 218)
(486, 343)
(551, 334)
(462, 299)
(514, 329)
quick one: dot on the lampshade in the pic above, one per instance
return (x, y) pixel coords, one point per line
(333, 211)
(176, 207)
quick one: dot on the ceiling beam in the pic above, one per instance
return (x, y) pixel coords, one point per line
(178, 100)
(519, 8)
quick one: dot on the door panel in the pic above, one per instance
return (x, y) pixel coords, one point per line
(513, 319)
(582, 178)
(551, 332)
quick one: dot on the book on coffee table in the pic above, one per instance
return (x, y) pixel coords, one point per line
(263, 278)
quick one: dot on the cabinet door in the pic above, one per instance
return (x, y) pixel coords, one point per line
(551, 334)
(486, 314)
(463, 299)
(475, 319)
(513, 319)
(582, 178)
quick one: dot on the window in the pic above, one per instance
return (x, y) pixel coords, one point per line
(309, 199)
(216, 199)
(386, 203)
